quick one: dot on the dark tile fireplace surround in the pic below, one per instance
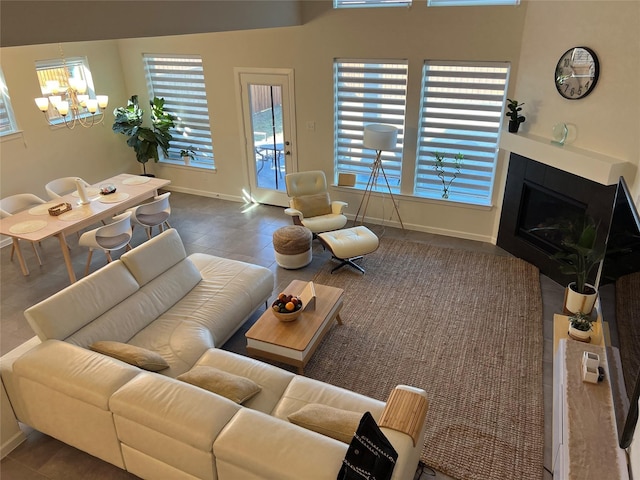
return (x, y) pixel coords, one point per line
(540, 195)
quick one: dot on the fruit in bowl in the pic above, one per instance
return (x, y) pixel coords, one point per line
(286, 307)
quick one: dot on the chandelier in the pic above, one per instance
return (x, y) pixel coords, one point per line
(68, 95)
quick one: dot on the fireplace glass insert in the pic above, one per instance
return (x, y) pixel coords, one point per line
(542, 212)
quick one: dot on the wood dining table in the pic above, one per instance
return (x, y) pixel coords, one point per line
(37, 224)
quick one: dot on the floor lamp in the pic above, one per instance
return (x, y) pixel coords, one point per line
(377, 137)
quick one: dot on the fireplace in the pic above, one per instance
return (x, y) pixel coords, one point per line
(538, 196)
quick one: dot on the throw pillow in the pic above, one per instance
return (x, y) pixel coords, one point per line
(370, 454)
(234, 387)
(329, 421)
(138, 356)
(313, 205)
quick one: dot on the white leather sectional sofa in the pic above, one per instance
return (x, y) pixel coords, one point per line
(153, 424)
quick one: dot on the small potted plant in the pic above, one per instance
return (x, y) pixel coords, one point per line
(580, 326)
(439, 167)
(515, 119)
(187, 155)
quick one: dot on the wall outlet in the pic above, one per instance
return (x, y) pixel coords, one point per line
(311, 126)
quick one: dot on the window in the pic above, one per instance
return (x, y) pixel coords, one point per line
(7, 120)
(461, 110)
(368, 92)
(180, 81)
(461, 3)
(370, 3)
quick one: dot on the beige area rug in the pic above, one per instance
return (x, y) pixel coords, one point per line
(466, 327)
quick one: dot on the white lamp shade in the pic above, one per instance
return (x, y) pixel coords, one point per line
(380, 137)
(43, 103)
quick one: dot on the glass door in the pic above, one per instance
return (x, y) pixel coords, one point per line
(267, 123)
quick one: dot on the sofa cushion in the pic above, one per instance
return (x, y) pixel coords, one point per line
(137, 356)
(254, 445)
(180, 342)
(228, 294)
(333, 422)
(140, 310)
(312, 205)
(74, 371)
(155, 256)
(302, 391)
(178, 410)
(234, 387)
(80, 304)
(273, 380)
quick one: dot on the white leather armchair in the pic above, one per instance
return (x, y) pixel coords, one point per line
(310, 204)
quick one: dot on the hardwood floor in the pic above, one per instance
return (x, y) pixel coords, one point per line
(214, 226)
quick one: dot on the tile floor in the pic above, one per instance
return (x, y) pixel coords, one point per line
(218, 227)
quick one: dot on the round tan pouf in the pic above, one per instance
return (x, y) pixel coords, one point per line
(292, 245)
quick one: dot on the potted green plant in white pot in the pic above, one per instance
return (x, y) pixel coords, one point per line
(187, 155)
(579, 257)
(580, 326)
(145, 140)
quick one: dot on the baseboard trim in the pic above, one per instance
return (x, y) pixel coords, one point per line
(425, 229)
(12, 443)
(203, 193)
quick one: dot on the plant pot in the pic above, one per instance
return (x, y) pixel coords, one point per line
(186, 159)
(578, 302)
(580, 335)
(513, 126)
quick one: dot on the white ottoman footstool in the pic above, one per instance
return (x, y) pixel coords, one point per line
(350, 244)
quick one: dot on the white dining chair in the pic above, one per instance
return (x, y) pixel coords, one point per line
(108, 238)
(17, 203)
(153, 214)
(61, 186)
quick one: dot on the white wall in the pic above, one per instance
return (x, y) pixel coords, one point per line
(531, 36)
(607, 120)
(39, 153)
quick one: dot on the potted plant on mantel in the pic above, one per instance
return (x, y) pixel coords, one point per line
(580, 326)
(145, 140)
(515, 118)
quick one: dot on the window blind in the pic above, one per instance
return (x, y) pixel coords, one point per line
(368, 92)
(461, 110)
(465, 3)
(180, 81)
(7, 121)
(370, 3)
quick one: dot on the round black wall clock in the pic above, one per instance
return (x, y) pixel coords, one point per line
(577, 73)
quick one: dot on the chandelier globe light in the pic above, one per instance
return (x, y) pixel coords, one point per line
(70, 99)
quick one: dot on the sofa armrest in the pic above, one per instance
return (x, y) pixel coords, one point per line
(337, 207)
(405, 411)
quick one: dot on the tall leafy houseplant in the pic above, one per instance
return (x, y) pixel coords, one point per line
(145, 140)
(580, 257)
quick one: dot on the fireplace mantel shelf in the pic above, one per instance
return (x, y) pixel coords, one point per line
(584, 163)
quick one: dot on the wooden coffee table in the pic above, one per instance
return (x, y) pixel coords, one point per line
(294, 342)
